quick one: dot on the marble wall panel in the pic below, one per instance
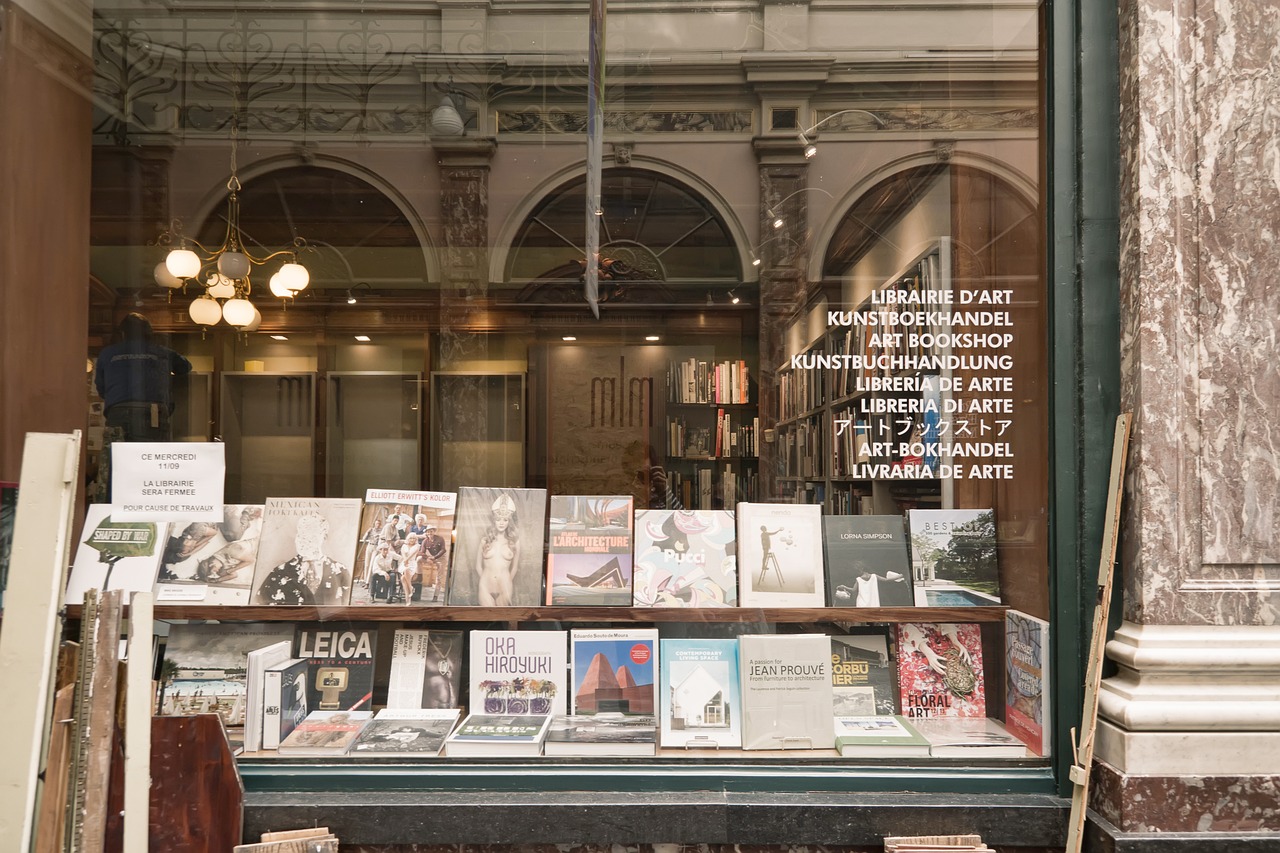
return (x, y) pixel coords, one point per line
(1185, 803)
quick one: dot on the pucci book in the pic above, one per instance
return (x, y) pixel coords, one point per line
(940, 670)
(207, 562)
(206, 666)
(341, 658)
(780, 555)
(123, 555)
(1026, 673)
(953, 557)
(499, 735)
(602, 734)
(786, 691)
(977, 738)
(426, 669)
(700, 702)
(614, 671)
(864, 673)
(518, 672)
(325, 733)
(307, 551)
(879, 736)
(406, 540)
(284, 700)
(589, 551)
(867, 561)
(685, 558)
(405, 733)
(497, 561)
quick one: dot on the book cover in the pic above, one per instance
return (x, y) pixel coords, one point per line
(685, 558)
(779, 552)
(602, 734)
(699, 700)
(406, 733)
(940, 670)
(1026, 673)
(953, 557)
(613, 671)
(786, 691)
(122, 555)
(867, 561)
(208, 562)
(498, 557)
(426, 669)
(284, 699)
(864, 674)
(205, 666)
(307, 548)
(257, 662)
(880, 736)
(325, 733)
(518, 672)
(975, 738)
(589, 551)
(499, 735)
(341, 662)
(406, 540)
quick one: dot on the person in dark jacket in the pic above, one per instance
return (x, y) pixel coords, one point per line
(135, 380)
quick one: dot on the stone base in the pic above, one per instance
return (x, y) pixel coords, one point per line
(1186, 804)
(1102, 837)
(1187, 753)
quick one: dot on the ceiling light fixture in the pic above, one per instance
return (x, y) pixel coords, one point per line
(279, 337)
(568, 338)
(773, 211)
(652, 338)
(364, 339)
(810, 150)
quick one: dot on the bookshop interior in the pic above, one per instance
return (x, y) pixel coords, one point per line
(658, 392)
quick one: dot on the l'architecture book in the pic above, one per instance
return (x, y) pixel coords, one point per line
(426, 669)
(498, 558)
(969, 737)
(206, 562)
(406, 733)
(864, 674)
(406, 539)
(779, 553)
(325, 733)
(257, 662)
(499, 735)
(614, 671)
(122, 555)
(307, 550)
(204, 669)
(284, 700)
(786, 691)
(518, 672)
(953, 557)
(699, 700)
(685, 558)
(341, 658)
(940, 670)
(1026, 673)
(881, 736)
(602, 734)
(867, 561)
(589, 551)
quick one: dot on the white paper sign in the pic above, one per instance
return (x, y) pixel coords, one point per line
(162, 481)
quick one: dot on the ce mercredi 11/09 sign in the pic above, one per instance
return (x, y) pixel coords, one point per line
(166, 480)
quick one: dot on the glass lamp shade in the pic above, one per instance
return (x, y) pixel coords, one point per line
(445, 120)
(257, 320)
(277, 287)
(164, 278)
(221, 287)
(293, 277)
(183, 263)
(206, 311)
(238, 312)
(233, 264)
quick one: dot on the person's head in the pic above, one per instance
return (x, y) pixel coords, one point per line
(310, 535)
(411, 540)
(420, 519)
(504, 510)
(135, 327)
(210, 568)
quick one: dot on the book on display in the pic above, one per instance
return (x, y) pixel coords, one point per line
(406, 539)
(497, 561)
(206, 562)
(499, 735)
(614, 671)
(780, 555)
(205, 667)
(786, 691)
(685, 558)
(953, 557)
(306, 552)
(977, 738)
(864, 673)
(940, 670)
(518, 672)
(1026, 672)
(867, 561)
(284, 699)
(257, 662)
(406, 733)
(426, 669)
(341, 661)
(123, 555)
(602, 734)
(699, 699)
(589, 551)
(880, 736)
(325, 733)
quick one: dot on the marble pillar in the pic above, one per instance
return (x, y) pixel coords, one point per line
(1190, 737)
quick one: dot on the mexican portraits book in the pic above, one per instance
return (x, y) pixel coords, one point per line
(602, 734)
(614, 671)
(685, 558)
(499, 735)
(325, 733)
(864, 673)
(518, 672)
(341, 659)
(879, 736)
(786, 691)
(123, 555)
(206, 562)
(406, 733)
(699, 699)
(426, 669)
(205, 665)
(953, 557)
(1026, 673)
(780, 555)
(867, 561)
(307, 551)
(940, 670)
(497, 561)
(589, 551)
(406, 540)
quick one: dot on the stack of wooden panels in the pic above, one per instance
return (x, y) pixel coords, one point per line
(317, 840)
(935, 844)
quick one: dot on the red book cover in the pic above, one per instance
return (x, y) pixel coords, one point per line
(940, 670)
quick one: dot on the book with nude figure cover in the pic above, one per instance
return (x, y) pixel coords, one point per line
(497, 559)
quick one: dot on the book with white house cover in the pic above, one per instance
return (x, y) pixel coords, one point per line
(518, 672)
(700, 703)
(786, 691)
(614, 671)
(406, 733)
(1026, 672)
(780, 555)
(123, 555)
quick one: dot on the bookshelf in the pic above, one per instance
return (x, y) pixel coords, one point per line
(711, 429)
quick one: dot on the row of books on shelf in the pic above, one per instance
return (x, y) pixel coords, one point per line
(706, 489)
(799, 391)
(694, 380)
(917, 689)
(496, 547)
(732, 436)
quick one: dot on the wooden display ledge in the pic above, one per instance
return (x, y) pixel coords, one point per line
(427, 613)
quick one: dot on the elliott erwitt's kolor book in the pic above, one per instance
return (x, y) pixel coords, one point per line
(405, 542)
(867, 561)
(700, 703)
(614, 671)
(864, 674)
(518, 672)
(940, 670)
(786, 691)
(779, 555)
(589, 551)
(307, 550)
(685, 558)
(211, 562)
(953, 557)
(498, 558)
(341, 660)
(122, 555)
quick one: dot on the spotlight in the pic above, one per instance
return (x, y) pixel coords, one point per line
(569, 338)
(279, 337)
(733, 299)
(351, 298)
(652, 338)
(364, 339)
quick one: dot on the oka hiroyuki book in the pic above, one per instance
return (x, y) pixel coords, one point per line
(307, 550)
(589, 550)
(518, 672)
(406, 539)
(497, 561)
(685, 558)
(208, 562)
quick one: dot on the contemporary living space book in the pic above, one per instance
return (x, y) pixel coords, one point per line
(207, 562)
(940, 670)
(953, 557)
(307, 551)
(786, 691)
(867, 561)
(614, 671)
(685, 558)
(699, 699)
(589, 556)
(406, 540)
(779, 555)
(497, 561)
(1026, 673)
(864, 673)
(518, 672)
(123, 555)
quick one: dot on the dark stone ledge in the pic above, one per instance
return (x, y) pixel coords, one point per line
(1103, 837)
